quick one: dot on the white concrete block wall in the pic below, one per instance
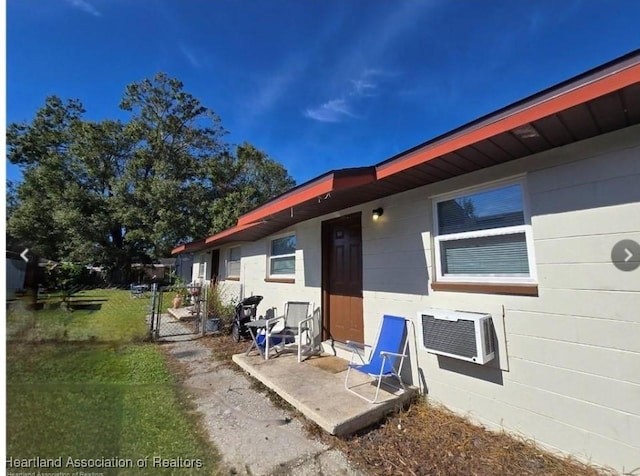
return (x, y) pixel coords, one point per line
(569, 358)
(253, 270)
(568, 367)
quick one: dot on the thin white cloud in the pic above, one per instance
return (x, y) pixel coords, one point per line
(360, 81)
(191, 57)
(276, 86)
(85, 6)
(331, 111)
(373, 72)
(268, 90)
(356, 91)
(382, 36)
(363, 87)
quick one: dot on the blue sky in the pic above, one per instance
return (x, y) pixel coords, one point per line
(317, 84)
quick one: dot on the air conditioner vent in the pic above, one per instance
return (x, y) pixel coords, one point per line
(449, 336)
(457, 334)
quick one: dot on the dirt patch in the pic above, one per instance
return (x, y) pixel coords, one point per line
(223, 347)
(328, 363)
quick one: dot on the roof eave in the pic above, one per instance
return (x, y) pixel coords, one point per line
(587, 86)
(311, 190)
(189, 247)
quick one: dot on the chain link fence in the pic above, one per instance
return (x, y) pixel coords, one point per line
(78, 313)
(178, 310)
(141, 311)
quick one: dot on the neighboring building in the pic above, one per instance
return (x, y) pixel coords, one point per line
(184, 264)
(22, 275)
(161, 270)
(16, 270)
(515, 215)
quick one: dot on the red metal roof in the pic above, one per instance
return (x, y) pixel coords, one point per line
(604, 99)
(189, 247)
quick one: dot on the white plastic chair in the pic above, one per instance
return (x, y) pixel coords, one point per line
(295, 313)
(311, 328)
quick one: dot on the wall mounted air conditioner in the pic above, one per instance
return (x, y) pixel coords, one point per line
(461, 335)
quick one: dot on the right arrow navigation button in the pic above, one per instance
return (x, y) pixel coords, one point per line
(629, 255)
(625, 255)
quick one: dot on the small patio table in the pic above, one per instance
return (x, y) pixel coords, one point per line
(254, 328)
(139, 290)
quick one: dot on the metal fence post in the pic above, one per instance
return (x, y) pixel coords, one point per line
(203, 307)
(152, 318)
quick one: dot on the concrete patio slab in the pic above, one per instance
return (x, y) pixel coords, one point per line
(182, 313)
(317, 391)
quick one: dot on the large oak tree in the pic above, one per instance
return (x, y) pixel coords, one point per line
(111, 192)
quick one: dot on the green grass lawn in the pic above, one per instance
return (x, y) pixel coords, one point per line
(98, 314)
(82, 384)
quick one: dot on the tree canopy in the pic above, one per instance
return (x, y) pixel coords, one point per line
(111, 192)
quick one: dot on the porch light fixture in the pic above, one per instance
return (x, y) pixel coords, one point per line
(377, 213)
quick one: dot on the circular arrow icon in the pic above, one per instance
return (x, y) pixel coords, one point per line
(625, 255)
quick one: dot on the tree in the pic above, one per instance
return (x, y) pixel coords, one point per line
(178, 141)
(110, 192)
(41, 150)
(253, 178)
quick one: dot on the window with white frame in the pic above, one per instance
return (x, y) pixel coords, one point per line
(484, 235)
(233, 263)
(282, 257)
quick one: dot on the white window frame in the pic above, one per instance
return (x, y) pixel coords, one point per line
(229, 261)
(510, 230)
(202, 267)
(288, 255)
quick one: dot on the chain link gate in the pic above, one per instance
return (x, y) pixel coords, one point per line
(177, 311)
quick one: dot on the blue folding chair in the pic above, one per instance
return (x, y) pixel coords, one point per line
(386, 356)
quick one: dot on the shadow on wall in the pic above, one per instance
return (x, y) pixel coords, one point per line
(411, 362)
(606, 180)
(312, 258)
(394, 258)
(489, 372)
(390, 277)
(310, 245)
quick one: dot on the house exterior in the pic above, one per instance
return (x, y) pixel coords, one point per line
(517, 215)
(161, 270)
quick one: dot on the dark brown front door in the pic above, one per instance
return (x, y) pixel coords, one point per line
(342, 277)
